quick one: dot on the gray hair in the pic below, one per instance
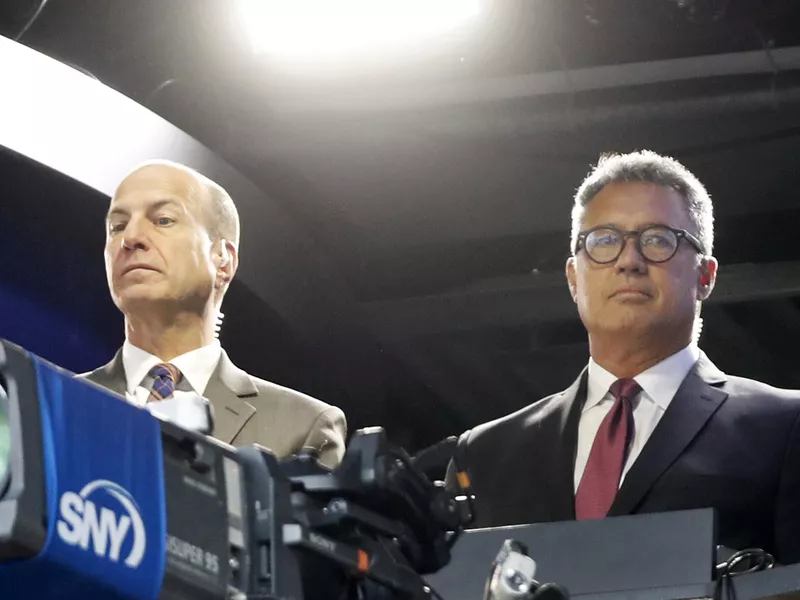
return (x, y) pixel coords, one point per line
(649, 167)
(223, 222)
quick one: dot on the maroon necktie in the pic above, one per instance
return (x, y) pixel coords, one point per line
(600, 480)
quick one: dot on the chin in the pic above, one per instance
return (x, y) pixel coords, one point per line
(137, 295)
(627, 320)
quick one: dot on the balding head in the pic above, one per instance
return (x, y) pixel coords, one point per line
(221, 216)
(172, 240)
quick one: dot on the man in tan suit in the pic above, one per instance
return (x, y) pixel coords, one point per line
(172, 239)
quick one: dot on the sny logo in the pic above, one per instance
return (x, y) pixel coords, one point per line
(80, 520)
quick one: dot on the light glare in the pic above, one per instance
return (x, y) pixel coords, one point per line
(332, 28)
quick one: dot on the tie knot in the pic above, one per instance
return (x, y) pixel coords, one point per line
(166, 371)
(165, 378)
(625, 389)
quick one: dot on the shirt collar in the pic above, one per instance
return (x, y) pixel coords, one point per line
(660, 382)
(197, 365)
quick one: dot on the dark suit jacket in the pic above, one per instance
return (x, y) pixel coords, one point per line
(248, 410)
(724, 442)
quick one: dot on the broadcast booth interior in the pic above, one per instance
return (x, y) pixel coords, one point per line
(141, 508)
(100, 498)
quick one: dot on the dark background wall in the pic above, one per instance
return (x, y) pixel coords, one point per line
(405, 247)
(53, 302)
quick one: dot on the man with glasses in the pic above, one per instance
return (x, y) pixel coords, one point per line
(651, 424)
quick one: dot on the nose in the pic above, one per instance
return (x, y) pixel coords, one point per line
(134, 236)
(630, 259)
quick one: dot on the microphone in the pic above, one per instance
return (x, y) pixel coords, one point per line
(512, 577)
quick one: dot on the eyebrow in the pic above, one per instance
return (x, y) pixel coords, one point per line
(640, 227)
(155, 206)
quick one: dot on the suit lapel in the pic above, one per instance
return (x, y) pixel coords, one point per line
(693, 405)
(226, 390)
(562, 495)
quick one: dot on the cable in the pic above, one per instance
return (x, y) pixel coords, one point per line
(31, 21)
(760, 560)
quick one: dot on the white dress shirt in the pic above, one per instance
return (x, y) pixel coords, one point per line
(197, 367)
(659, 384)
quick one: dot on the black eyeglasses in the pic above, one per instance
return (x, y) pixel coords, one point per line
(657, 244)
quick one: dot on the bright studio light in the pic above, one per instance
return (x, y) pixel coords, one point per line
(322, 29)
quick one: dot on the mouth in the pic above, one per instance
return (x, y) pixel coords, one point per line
(137, 267)
(630, 293)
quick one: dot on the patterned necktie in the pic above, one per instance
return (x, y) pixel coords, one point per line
(165, 378)
(600, 480)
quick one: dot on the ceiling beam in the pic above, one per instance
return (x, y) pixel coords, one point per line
(500, 89)
(526, 300)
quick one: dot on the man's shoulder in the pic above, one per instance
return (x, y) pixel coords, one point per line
(754, 394)
(507, 427)
(91, 375)
(741, 391)
(278, 397)
(110, 374)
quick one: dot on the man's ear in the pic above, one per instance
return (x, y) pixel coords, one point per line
(227, 262)
(707, 277)
(572, 278)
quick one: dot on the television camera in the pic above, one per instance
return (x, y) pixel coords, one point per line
(100, 498)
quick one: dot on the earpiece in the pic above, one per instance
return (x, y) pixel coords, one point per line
(705, 274)
(705, 286)
(224, 256)
(224, 260)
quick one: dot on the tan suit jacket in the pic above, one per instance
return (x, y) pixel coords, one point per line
(248, 410)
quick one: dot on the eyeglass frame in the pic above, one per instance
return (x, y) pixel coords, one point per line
(680, 234)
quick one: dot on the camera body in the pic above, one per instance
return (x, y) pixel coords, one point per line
(101, 497)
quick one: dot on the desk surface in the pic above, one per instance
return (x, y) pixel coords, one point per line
(646, 556)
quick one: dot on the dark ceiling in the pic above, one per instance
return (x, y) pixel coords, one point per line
(437, 186)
